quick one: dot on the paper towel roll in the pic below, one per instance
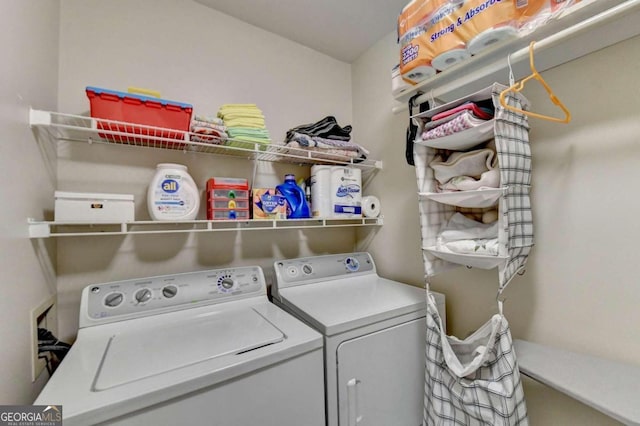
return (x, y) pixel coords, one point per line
(449, 58)
(321, 191)
(490, 37)
(370, 206)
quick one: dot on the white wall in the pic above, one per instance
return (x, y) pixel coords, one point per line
(580, 290)
(192, 54)
(29, 46)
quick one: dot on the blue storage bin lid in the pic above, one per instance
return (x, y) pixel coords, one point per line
(143, 98)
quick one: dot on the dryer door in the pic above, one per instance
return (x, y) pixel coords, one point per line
(381, 377)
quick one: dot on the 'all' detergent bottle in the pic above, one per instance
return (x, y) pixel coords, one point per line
(297, 207)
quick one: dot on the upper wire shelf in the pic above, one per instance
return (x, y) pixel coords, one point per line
(78, 128)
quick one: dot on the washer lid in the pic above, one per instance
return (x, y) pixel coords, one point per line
(136, 354)
(337, 306)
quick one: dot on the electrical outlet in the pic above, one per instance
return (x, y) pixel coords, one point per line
(44, 316)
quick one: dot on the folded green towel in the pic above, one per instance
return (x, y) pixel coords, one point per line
(245, 131)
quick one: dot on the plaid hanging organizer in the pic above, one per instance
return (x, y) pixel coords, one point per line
(476, 381)
(509, 131)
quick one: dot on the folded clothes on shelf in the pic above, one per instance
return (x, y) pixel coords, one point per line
(207, 129)
(466, 120)
(466, 171)
(464, 235)
(327, 139)
(335, 154)
(327, 128)
(245, 123)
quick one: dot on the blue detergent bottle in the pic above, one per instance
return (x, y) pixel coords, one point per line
(297, 207)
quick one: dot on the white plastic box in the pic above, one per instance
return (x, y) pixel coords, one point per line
(93, 208)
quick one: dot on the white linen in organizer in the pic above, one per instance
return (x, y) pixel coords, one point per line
(466, 236)
(474, 381)
(466, 171)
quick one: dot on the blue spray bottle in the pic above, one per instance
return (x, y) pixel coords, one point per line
(297, 207)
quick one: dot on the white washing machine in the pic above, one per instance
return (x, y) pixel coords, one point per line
(374, 333)
(201, 348)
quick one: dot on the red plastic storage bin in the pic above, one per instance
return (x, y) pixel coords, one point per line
(227, 199)
(140, 110)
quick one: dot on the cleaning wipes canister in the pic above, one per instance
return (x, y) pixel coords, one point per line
(172, 194)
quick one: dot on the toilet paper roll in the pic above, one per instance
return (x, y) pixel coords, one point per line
(370, 206)
(490, 37)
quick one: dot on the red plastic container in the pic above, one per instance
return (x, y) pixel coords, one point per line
(140, 110)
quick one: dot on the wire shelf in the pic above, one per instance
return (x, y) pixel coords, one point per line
(45, 229)
(67, 127)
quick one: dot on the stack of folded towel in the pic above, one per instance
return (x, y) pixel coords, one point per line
(327, 138)
(244, 123)
(208, 129)
(467, 171)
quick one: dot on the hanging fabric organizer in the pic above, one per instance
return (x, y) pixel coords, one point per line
(473, 169)
(507, 135)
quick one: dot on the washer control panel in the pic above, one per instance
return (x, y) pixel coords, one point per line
(307, 269)
(147, 295)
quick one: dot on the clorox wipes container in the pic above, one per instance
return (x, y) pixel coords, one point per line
(172, 194)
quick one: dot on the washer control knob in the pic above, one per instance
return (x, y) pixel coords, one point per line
(352, 264)
(143, 295)
(169, 291)
(227, 283)
(114, 299)
(307, 269)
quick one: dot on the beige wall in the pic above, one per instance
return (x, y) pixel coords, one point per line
(580, 290)
(193, 54)
(29, 46)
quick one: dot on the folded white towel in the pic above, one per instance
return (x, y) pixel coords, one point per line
(488, 179)
(464, 164)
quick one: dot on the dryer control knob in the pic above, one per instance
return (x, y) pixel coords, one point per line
(227, 283)
(114, 299)
(169, 291)
(143, 295)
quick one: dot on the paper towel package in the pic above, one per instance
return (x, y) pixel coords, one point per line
(336, 192)
(437, 34)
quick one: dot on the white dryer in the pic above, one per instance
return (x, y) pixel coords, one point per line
(200, 348)
(374, 333)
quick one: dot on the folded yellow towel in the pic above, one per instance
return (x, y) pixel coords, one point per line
(238, 106)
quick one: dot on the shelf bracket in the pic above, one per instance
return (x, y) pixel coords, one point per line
(39, 118)
(38, 229)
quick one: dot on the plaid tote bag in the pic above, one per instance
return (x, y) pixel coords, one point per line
(474, 381)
